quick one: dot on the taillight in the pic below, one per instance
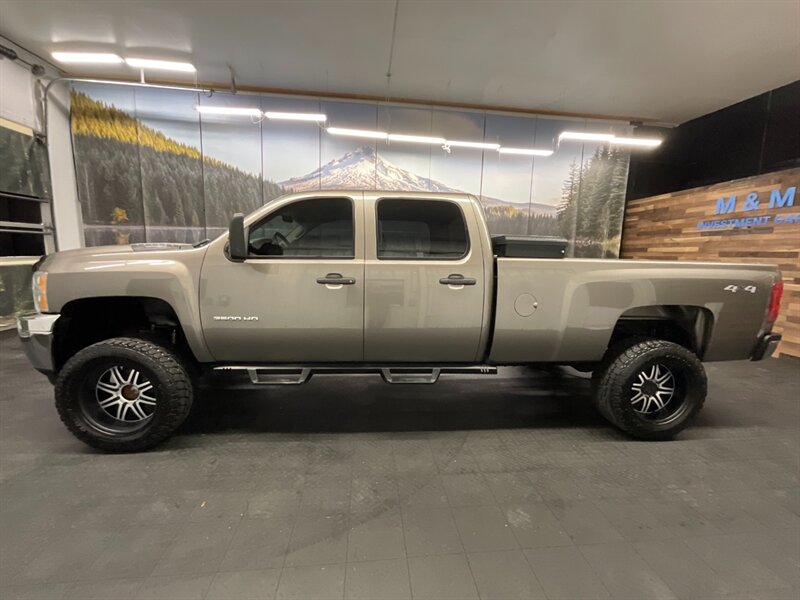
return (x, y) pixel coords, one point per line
(775, 301)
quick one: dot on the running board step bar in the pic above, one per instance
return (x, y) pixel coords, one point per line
(296, 375)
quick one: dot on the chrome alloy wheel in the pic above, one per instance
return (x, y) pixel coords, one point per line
(653, 389)
(125, 395)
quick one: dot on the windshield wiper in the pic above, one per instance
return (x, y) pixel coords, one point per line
(201, 243)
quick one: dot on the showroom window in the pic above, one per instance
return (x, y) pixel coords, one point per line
(24, 201)
(316, 228)
(421, 229)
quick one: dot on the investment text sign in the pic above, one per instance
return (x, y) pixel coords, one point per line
(781, 198)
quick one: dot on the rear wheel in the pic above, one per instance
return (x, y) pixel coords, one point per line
(650, 388)
(123, 394)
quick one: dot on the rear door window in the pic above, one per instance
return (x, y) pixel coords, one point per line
(420, 229)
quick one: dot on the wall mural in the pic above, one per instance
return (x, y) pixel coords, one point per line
(151, 168)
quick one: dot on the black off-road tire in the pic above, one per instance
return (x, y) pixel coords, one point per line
(614, 376)
(172, 388)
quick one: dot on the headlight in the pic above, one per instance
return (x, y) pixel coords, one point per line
(39, 285)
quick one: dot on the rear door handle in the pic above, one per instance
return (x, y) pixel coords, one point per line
(336, 279)
(457, 279)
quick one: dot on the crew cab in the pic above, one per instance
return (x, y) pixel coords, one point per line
(406, 285)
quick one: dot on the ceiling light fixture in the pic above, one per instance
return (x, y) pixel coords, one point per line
(485, 145)
(418, 139)
(585, 137)
(363, 133)
(160, 65)
(87, 57)
(646, 142)
(525, 151)
(286, 116)
(228, 110)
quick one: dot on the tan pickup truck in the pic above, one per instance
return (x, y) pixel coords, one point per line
(406, 285)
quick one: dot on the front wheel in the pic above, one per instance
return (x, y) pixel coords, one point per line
(652, 389)
(123, 394)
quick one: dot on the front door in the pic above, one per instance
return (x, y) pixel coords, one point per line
(425, 283)
(299, 296)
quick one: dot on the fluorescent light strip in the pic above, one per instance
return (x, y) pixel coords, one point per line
(525, 151)
(417, 139)
(458, 144)
(87, 57)
(295, 116)
(363, 133)
(161, 65)
(587, 137)
(646, 142)
(228, 110)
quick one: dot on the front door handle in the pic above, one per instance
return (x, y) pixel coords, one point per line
(457, 279)
(336, 279)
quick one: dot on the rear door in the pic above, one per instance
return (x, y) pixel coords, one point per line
(425, 280)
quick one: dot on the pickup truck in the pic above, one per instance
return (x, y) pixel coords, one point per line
(406, 285)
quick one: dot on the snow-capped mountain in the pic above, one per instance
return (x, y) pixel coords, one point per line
(364, 169)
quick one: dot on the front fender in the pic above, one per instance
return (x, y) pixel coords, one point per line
(168, 275)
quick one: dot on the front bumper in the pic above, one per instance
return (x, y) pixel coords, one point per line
(36, 334)
(766, 346)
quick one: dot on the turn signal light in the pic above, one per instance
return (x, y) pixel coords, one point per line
(40, 292)
(775, 301)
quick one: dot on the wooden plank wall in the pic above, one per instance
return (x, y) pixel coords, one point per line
(665, 228)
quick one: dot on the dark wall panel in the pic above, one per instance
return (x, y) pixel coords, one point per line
(755, 136)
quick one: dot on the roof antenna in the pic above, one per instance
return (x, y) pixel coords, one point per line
(233, 78)
(391, 50)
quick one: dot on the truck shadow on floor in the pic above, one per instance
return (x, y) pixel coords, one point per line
(524, 398)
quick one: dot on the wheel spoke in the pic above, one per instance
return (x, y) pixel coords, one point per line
(116, 375)
(109, 401)
(146, 385)
(147, 401)
(107, 387)
(137, 410)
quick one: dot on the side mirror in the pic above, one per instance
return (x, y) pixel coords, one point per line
(237, 246)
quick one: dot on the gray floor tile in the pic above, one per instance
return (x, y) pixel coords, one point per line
(199, 548)
(686, 574)
(180, 587)
(421, 491)
(504, 575)
(65, 557)
(584, 522)
(624, 573)
(312, 583)
(565, 575)
(375, 536)
(133, 552)
(441, 578)
(534, 526)
(258, 544)
(467, 489)
(226, 505)
(244, 585)
(430, 531)
(679, 517)
(736, 565)
(319, 539)
(326, 494)
(378, 580)
(370, 493)
(512, 488)
(39, 591)
(117, 589)
(633, 520)
(484, 528)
